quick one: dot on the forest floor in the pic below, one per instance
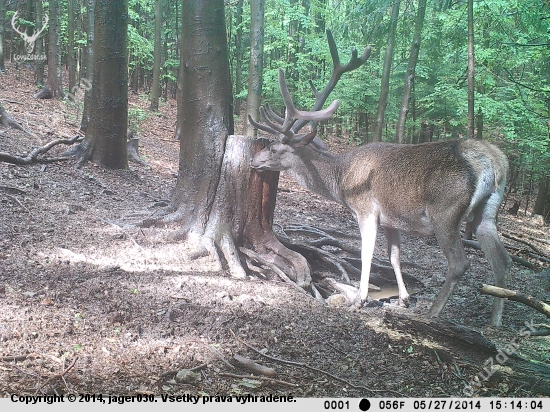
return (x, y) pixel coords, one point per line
(91, 304)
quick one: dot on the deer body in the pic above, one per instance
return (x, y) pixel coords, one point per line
(425, 189)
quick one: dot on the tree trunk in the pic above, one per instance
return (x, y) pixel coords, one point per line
(471, 74)
(89, 65)
(2, 22)
(70, 53)
(238, 57)
(155, 89)
(253, 100)
(220, 201)
(39, 44)
(385, 83)
(542, 204)
(54, 87)
(409, 75)
(105, 141)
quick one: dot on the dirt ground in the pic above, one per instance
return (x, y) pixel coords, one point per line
(91, 304)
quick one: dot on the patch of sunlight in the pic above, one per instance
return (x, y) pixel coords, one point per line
(132, 258)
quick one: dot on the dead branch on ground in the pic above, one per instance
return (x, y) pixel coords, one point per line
(314, 369)
(252, 366)
(517, 239)
(33, 158)
(263, 378)
(475, 245)
(516, 296)
(58, 375)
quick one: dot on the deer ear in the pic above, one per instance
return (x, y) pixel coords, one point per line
(302, 140)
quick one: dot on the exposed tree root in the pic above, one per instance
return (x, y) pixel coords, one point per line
(7, 121)
(236, 228)
(33, 156)
(259, 260)
(44, 93)
(82, 152)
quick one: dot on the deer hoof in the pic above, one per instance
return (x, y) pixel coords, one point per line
(405, 301)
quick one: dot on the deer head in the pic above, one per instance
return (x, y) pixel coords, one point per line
(29, 40)
(278, 156)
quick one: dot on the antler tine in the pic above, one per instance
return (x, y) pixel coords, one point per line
(293, 113)
(338, 71)
(272, 115)
(285, 133)
(261, 126)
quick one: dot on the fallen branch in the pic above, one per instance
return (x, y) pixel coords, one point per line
(530, 301)
(16, 200)
(516, 239)
(475, 245)
(58, 375)
(536, 239)
(252, 366)
(18, 358)
(32, 157)
(314, 369)
(263, 378)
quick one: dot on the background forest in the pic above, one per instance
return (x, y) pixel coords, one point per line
(512, 65)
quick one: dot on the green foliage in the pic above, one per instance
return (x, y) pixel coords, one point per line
(512, 40)
(136, 116)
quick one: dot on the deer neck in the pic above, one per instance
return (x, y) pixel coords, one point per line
(318, 171)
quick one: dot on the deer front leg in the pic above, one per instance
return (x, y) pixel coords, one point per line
(393, 237)
(368, 226)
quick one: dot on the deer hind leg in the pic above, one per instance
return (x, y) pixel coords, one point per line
(393, 238)
(485, 229)
(368, 225)
(458, 263)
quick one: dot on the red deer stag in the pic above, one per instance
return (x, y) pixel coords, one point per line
(425, 189)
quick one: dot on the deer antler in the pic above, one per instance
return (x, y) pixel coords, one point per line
(338, 71)
(283, 127)
(295, 119)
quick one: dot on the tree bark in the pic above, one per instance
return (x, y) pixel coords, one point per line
(71, 61)
(410, 74)
(471, 73)
(155, 88)
(385, 83)
(542, 204)
(39, 44)
(255, 78)
(89, 65)
(105, 141)
(238, 57)
(54, 87)
(2, 23)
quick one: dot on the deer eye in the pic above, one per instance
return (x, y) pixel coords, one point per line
(273, 150)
